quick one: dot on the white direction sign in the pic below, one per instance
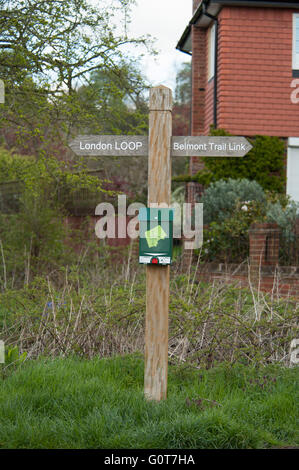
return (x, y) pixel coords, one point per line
(204, 146)
(110, 145)
(137, 146)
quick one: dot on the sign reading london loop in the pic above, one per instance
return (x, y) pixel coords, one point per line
(137, 146)
(110, 145)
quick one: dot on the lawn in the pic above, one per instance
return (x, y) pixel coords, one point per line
(99, 404)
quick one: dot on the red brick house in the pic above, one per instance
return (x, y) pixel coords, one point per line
(245, 72)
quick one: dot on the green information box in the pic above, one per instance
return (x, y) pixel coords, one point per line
(155, 236)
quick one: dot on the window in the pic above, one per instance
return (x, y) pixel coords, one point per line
(293, 168)
(296, 41)
(212, 51)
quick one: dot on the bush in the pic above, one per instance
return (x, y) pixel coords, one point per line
(89, 313)
(221, 199)
(264, 164)
(231, 206)
(285, 217)
(33, 197)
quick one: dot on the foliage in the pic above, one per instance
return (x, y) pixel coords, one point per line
(61, 41)
(34, 174)
(263, 164)
(178, 198)
(221, 198)
(181, 113)
(183, 89)
(33, 236)
(13, 359)
(79, 309)
(285, 217)
(231, 206)
(12, 355)
(115, 97)
(228, 241)
(45, 177)
(96, 310)
(51, 52)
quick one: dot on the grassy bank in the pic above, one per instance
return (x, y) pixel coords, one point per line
(98, 403)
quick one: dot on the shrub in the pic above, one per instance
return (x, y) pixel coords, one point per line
(231, 206)
(264, 164)
(89, 313)
(32, 232)
(285, 217)
(221, 199)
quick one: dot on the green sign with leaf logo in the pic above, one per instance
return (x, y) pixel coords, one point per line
(156, 236)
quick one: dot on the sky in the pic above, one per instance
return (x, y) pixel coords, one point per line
(164, 20)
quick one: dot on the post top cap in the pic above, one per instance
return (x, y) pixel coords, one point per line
(160, 98)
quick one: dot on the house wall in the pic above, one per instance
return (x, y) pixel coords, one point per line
(255, 72)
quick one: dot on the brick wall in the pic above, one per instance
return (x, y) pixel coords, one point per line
(193, 192)
(264, 273)
(264, 245)
(255, 72)
(86, 227)
(280, 284)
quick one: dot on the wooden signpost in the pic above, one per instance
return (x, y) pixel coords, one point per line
(138, 146)
(157, 278)
(160, 146)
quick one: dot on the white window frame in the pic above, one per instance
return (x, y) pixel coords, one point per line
(295, 54)
(212, 51)
(293, 168)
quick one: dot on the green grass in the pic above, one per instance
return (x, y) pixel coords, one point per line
(99, 403)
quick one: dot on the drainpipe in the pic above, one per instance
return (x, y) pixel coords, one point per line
(215, 19)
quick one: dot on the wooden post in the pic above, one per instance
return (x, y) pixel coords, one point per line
(157, 277)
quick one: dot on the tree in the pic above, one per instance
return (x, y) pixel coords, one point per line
(183, 89)
(48, 51)
(60, 41)
(117, 97)
(182, 103)
(32, 207)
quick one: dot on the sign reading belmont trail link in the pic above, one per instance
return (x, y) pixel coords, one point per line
(137, 146)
